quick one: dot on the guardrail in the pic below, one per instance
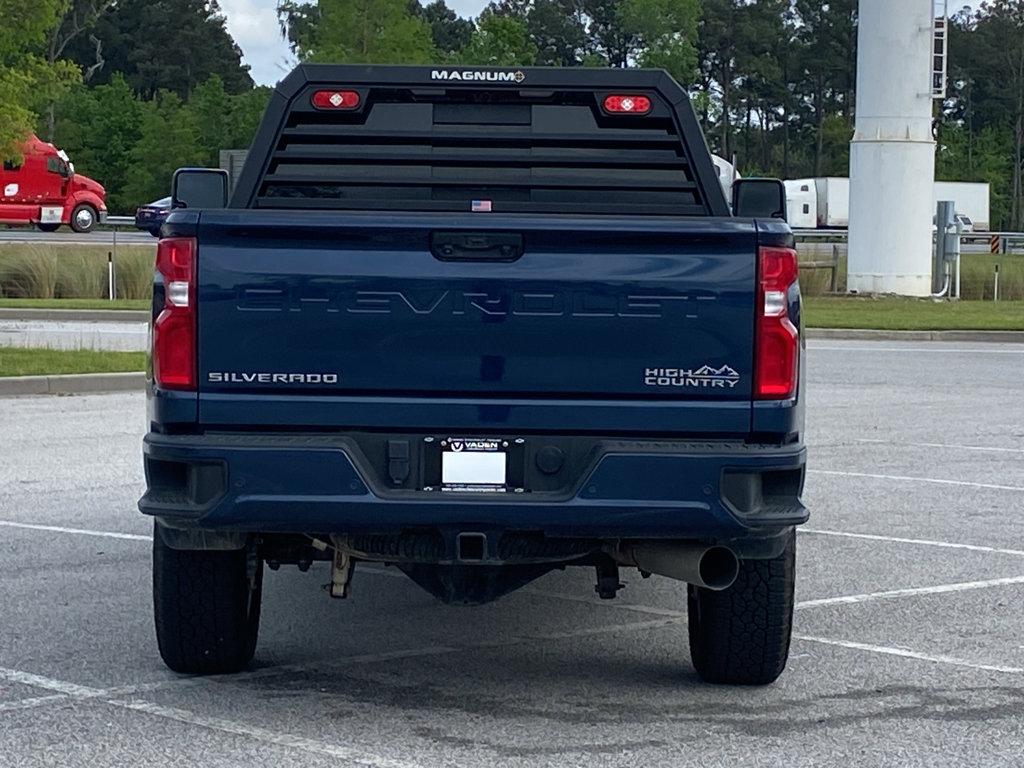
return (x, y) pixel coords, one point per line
(999, 242)
(116, 222)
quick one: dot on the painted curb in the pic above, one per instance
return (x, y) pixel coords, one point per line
(879, 335)
(72, 383)
(123, 316)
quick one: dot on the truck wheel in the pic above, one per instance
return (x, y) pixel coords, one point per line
(741, 635)
(48, 226)
(206, 604)
(83, 218)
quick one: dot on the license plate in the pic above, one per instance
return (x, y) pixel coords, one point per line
(473, 465)
(50, 214)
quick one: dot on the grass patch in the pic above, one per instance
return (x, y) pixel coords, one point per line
(46, 271)
(76, 304)
(27, 361)
(898, 314)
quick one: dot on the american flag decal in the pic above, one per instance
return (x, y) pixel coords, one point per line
(480, 206)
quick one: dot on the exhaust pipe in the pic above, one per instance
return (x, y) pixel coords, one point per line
(711, 566)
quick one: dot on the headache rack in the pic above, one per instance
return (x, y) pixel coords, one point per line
(537, 141)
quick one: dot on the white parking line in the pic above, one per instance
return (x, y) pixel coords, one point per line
(662, 612)
(908, 541)
(66, 690)
(915, 479)
(49, 684)
(85, 532)
(32, 702)
(666, 617)
(348, 756)
(898, 652)
(957, 446)
(956, 587)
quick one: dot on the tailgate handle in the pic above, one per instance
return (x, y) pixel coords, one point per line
(476, 246)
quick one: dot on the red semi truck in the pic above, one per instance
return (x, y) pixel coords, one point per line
(44, 190)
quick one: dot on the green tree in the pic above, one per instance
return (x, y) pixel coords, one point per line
(99, 128)
(357, 31)
(449, 31)
(763, 64)
(210, 110)
(717, 50)
(978, 156)
(224, 121)
(164, 44)
(245, 112)
(499, 41)
(608, 40)
(168, 140)
(556, 27)
(666, 31)
(996, 71)
(827, 41)
(27, 79)
(78, 19)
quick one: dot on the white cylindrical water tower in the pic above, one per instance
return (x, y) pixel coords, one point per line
(892, 155)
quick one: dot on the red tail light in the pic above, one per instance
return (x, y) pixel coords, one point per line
(335, 99)
(778, 340)
(633, 104)
(174, 330)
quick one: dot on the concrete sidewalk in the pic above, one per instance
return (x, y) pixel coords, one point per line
(114, 316)
(142, 317)
(65, 384)
(106, 335)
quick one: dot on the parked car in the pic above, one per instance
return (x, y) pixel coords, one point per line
(150, 216)
(486, 364)
(42, 189)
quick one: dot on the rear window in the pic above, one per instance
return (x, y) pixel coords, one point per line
(479, 149)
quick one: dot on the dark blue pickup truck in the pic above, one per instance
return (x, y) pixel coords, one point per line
(478, 325)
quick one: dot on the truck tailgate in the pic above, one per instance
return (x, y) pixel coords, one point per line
(364, 304)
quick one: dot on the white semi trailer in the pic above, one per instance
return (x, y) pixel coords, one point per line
(824, 202)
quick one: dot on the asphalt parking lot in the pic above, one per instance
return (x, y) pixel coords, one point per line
(909, 645)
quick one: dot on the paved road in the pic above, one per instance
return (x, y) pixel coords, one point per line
(909, 641)
(127, 235)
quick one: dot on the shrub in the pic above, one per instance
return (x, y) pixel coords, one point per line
(69, 272)
(135, 276)
(29, 272)
(81, 276)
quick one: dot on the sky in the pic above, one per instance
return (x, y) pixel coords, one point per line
(253, 24)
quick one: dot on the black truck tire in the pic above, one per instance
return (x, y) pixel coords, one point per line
(741, 635)
(48, 226)
(206, 604)
(83, 218)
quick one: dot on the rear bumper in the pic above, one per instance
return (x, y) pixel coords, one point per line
(324, 483)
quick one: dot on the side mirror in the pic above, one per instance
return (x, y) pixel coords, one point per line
(759, 199)
(199, 188)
